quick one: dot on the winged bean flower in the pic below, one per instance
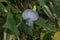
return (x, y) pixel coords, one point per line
(30, 16)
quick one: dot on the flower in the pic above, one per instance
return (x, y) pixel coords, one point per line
(30, 15)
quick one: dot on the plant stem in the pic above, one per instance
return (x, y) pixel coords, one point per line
(5, 35)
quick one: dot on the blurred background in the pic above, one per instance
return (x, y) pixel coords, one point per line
(14, 27)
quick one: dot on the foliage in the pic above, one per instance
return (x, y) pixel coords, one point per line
(13, 26)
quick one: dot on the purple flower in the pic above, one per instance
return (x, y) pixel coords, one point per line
(30, 16)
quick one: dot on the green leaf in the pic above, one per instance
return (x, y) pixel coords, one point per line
(43, 23)
(41, 2)
(28, 29)
(42, 35)
(10, 24)
(48, 12)
(57, 0)
(45, 36)
(2, 6)
(50, 28)
(15, 10)
(19, 17)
